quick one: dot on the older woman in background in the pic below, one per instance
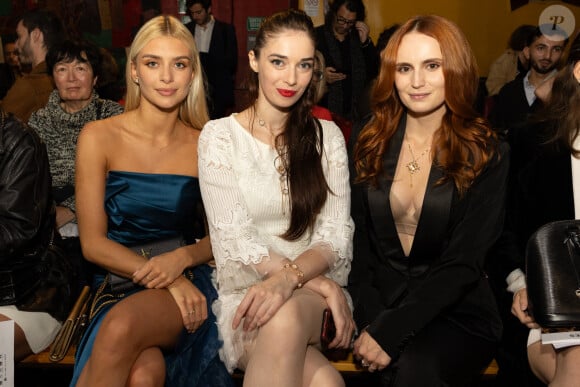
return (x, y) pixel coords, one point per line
(75, 68)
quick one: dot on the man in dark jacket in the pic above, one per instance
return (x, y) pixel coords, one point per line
(351, 58)
(26, 226)
(218, 51)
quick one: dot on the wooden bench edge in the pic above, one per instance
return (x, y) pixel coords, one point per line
(344, 366)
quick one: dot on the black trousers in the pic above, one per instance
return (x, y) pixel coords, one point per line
(442, 354)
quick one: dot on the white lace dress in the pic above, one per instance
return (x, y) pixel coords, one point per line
(241, 193)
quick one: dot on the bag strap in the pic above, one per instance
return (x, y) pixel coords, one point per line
(572, 241)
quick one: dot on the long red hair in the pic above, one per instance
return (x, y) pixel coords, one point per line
(464, 143)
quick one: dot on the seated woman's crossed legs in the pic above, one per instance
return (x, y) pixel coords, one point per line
(130, 338)
(286, 350)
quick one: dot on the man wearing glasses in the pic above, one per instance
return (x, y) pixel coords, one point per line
(350, 55)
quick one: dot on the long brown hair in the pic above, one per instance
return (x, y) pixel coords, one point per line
(464, 143)
(301, 140)
(561, 113)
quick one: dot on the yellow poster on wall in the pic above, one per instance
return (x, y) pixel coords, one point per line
(314, 9)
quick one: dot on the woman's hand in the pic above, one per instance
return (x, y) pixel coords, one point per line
(161, 270)
(341, 313)
(64, 215)
(190, 301)
(263, 300)
(370, 353)
(520, 309)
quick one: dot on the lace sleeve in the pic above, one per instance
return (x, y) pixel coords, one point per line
(334, 228)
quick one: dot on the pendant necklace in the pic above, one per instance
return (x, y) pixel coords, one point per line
(413, 165)
(279, 165)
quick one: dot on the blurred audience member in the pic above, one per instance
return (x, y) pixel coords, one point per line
(516, 99)
(75, 68)
(11, 69)
(511, 62)
(350, 55)
(38, 31)
(362, 105)
(109, 83)
(218, 51)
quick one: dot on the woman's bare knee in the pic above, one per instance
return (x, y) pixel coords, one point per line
(117, 330)
(301, 310)
(567, 368)
(318, 372)
(287, 318)
(148, 370)
(542, 359)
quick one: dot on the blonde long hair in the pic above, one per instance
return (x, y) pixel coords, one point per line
(193, 110)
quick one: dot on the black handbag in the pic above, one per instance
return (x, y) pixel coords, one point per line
(553, 274)
(42, 284)
(55, 291)
(120, 284)
(18, 281)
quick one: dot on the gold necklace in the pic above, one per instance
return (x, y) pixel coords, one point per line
(413, 165)
(279, 165)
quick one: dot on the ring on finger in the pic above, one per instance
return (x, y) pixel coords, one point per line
(364, 363)
(191, 312)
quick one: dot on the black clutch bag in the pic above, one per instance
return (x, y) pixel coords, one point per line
(553, 274)
(148, 250)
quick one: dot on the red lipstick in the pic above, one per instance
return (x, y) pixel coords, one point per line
(287, 93)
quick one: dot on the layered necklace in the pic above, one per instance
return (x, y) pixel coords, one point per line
(280, 163)
(413, 166)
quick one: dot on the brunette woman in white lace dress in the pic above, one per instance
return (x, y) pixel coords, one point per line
(275, 187)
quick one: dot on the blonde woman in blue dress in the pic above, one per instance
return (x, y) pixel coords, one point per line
(136, 182)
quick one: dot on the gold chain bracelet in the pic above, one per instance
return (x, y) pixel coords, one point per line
(294, 267)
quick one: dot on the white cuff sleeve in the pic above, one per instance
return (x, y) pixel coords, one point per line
(516, 281)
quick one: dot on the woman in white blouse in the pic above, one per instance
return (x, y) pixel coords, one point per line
(275, 187)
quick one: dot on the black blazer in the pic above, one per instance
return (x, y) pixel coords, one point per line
(443, 277)
(540, 191)
(219, 65)
(511, 109)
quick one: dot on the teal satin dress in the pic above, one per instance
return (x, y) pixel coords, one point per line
(146, 207)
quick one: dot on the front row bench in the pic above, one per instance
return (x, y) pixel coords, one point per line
(347, 366)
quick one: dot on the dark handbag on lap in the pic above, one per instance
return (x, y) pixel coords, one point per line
(553, 274)
(148, 250)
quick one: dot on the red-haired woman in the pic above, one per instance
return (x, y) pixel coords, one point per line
(428, 193)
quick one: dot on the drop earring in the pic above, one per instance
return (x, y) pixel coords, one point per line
(137, 80)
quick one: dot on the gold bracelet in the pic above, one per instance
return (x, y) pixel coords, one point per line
(294, 267)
